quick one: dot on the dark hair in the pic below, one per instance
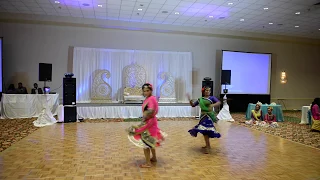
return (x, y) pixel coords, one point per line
(315, 101)
(11, 87)
(147, 85)
(35, 84)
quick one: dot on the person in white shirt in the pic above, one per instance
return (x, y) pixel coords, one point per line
(36, 90)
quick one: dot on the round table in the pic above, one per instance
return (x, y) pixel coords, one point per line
(277, 110)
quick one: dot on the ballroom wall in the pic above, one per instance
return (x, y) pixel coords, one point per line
(26, 45)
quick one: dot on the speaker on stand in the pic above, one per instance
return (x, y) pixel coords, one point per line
(225, 80)
(69, 98)
(45, 75)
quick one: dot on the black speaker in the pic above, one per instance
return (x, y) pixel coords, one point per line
(70, 114)
(45, 72)
(226, 77)
(69, 91)
(208, 84)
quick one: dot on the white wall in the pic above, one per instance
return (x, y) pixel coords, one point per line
(26, 45)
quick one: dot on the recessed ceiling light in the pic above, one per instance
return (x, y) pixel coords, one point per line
(230, 3)
(296, 26)
(241, 19)
(99, 5)
(270, 23)
(265, 8)
(139, 9)
(57, 2)
(210, 16)
(176, 13)
(297, 13)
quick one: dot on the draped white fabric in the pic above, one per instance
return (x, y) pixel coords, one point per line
(97, 112)
(87, 60)
(28, 105)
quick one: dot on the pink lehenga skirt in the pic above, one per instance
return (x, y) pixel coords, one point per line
(145, 139)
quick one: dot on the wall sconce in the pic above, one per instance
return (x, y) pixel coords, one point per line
(283, 78)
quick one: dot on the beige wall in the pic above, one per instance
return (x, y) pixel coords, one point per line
(26, 45)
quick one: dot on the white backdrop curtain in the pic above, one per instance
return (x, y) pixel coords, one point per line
(87, 60)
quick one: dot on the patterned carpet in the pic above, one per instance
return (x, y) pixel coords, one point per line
(12, 130)
(290, 129)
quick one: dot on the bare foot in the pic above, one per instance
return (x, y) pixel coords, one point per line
(145, 166)
(153, 160)
(206, 150)
(204, 147)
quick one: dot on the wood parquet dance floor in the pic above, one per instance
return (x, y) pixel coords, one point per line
(102, 151)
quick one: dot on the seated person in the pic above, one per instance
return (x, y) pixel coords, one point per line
(36, 90)
(315, 115)
(270, 119)
(21, 89)
(256, 115)
(11, 89)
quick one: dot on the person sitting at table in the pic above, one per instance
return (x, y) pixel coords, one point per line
(36, 89)
(315, 115)
(256, 115)
(11, 89)
(21, 89)
(270, 120)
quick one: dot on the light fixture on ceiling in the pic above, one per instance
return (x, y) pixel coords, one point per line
(296, 26)
(265, 8)
(241, 19)
(139, 9)
(319, 29)
(270, 23)
(210, 16)
(177, 13)
(57, 2)
(99, 5)
(230, 3)
(283, 78)
(297, 13)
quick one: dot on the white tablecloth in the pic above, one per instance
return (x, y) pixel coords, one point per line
(27, 105)
(304, 115)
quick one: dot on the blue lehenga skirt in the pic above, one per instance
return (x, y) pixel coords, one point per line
(205, 127)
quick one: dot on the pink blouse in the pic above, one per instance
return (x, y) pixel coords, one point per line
(151, 124)
(270, 119)
(315, 112)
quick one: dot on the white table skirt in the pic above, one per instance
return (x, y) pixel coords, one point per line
(304, 114)
(28, 105)
(131, 112)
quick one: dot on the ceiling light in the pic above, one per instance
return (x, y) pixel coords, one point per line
(57, 2)
(241, 19)
(176, 13)
(265, 8)
(99, 5)
(230, 3)
(210, 16)
(319, 29)
(139, 9)
(297, 13)
(296, 26)
(270, 23)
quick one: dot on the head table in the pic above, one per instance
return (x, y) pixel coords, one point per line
(277, 110)
(28, 105)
